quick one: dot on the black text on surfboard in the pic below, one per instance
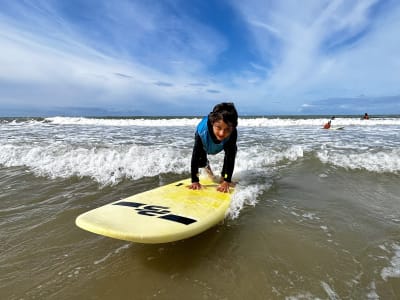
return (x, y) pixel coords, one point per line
(158, 211)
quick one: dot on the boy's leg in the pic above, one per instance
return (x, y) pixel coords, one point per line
(209, 171)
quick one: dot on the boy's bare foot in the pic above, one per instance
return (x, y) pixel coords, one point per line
(209, 172)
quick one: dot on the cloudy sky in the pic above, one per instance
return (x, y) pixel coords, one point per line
(181, 57)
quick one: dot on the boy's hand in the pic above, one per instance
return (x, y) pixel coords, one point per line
(195, 186)
(223, 187)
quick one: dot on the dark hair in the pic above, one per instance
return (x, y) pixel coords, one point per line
(225, 111)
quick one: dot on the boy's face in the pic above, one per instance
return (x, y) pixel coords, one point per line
(221, 130)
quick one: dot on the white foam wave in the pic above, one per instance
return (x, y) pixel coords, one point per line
(106, 166)
(372, 294)
(109, 166)
(393, 271)
(147, 122)
(251, 165)
(116, 251)
(243, 122)
(379, 162)
(244, 195)
(331, 293)
(302, 296)
(318, 122)
(259, 157)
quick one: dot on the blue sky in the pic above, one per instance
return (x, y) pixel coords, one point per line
(181, 57)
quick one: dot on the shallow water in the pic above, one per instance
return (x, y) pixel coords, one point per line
(315, 215)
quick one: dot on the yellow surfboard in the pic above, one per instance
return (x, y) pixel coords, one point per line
(164, 214)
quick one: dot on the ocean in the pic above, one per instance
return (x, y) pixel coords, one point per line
(315, 213)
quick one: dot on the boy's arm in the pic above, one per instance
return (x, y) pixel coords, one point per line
(197, 155)
(230, 156)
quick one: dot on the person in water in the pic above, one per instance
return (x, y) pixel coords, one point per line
(366, 117)
(327, 125)
(214, 133)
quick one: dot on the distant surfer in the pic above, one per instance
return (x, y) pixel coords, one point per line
(327, 125)
(215, 133)
(365, 117)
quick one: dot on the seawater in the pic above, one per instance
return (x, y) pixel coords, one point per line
(315, 213)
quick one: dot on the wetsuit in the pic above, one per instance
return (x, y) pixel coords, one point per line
(205, 142)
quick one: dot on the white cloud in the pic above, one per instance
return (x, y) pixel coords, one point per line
(73, 71)
(306, 68)
(315, 50)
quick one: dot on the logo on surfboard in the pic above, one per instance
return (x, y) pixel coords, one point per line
(158, 211)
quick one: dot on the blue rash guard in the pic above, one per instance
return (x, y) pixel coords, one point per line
(207, 143)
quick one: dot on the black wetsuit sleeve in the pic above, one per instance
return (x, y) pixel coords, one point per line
(199, 158)
(230, 149)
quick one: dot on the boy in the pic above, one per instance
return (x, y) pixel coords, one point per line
(215, 133)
